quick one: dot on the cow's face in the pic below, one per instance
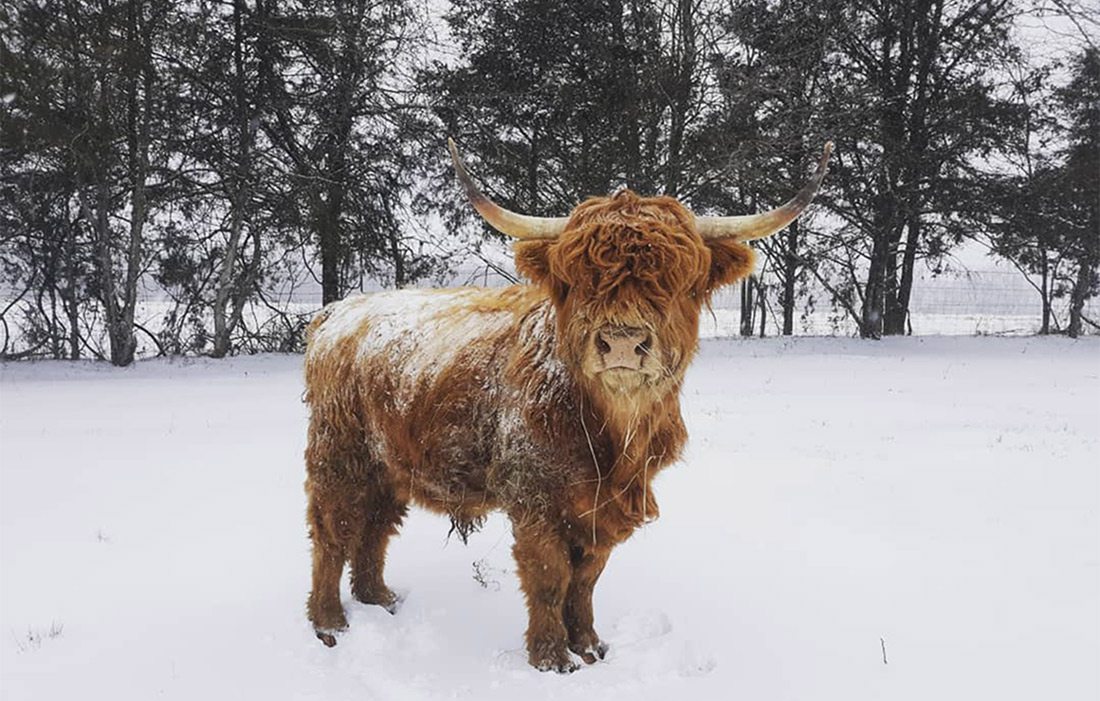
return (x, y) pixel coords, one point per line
(628, 277)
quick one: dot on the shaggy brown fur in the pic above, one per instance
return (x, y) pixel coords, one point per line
(468, 401)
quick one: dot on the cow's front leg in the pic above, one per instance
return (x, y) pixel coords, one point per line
(587, 565)
(542, 562)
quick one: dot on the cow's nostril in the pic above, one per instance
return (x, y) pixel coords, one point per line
(602, 346)
(644, 347)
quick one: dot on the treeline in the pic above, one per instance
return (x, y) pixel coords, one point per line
(223, 152)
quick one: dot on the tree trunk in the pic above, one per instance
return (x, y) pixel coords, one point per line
(891, 309)
(922, 26)
(329, 236)
(762, 300)
(339, 104)
(533, 174)
(683, 58)
(874, 296)
(899, 313)
(55, 334)
(223, 326)
(1078, 295)
(399, 279)
(629, 132)
(747, 307)
(328, 223)
(120, 348)
(790, 274)
(139, 104)
(122, 344)
(1044, 269)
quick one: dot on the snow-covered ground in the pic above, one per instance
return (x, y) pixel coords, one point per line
(933, 499)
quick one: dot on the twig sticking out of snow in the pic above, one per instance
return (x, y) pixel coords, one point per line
(483, 575)
(35, 638)
(882, 641)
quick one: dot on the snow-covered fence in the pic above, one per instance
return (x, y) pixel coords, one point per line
(989, 301)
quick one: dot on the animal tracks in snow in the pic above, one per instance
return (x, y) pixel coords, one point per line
(644, 640)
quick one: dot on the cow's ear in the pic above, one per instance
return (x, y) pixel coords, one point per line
(730, 261)
(533, 260)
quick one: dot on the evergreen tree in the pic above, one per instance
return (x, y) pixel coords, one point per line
(1020, 222)
(771, 81)
(83, 132)
(344, 128)
(556, 102)
(911, 101)
(1081, 182)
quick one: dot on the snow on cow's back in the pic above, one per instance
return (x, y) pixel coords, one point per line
(418, 332)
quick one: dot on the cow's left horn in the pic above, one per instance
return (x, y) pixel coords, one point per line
(518, 226)
(758, 226)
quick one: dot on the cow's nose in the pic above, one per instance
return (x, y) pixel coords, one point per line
(622, 346)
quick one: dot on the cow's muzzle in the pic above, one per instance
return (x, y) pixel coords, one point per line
(623, 347)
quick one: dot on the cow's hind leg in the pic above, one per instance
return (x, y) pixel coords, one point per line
(323, 607)
(379, 512)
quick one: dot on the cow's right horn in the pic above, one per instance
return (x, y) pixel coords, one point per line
(758, 226)
(518, 226)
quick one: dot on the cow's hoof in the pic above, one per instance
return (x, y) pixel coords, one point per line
(559, 662)
(567, 667)
(394, 604)
(386, 599)
(326, 636)
(591, 653)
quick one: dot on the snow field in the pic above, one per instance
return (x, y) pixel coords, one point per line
(933, 498)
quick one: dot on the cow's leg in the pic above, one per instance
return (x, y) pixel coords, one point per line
(587, 564)
(542, 562)
(323, 606)
(380, 513)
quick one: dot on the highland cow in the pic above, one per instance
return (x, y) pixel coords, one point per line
(555, 402)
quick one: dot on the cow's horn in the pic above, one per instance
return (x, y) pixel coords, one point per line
(519, 226)
(758, 226)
